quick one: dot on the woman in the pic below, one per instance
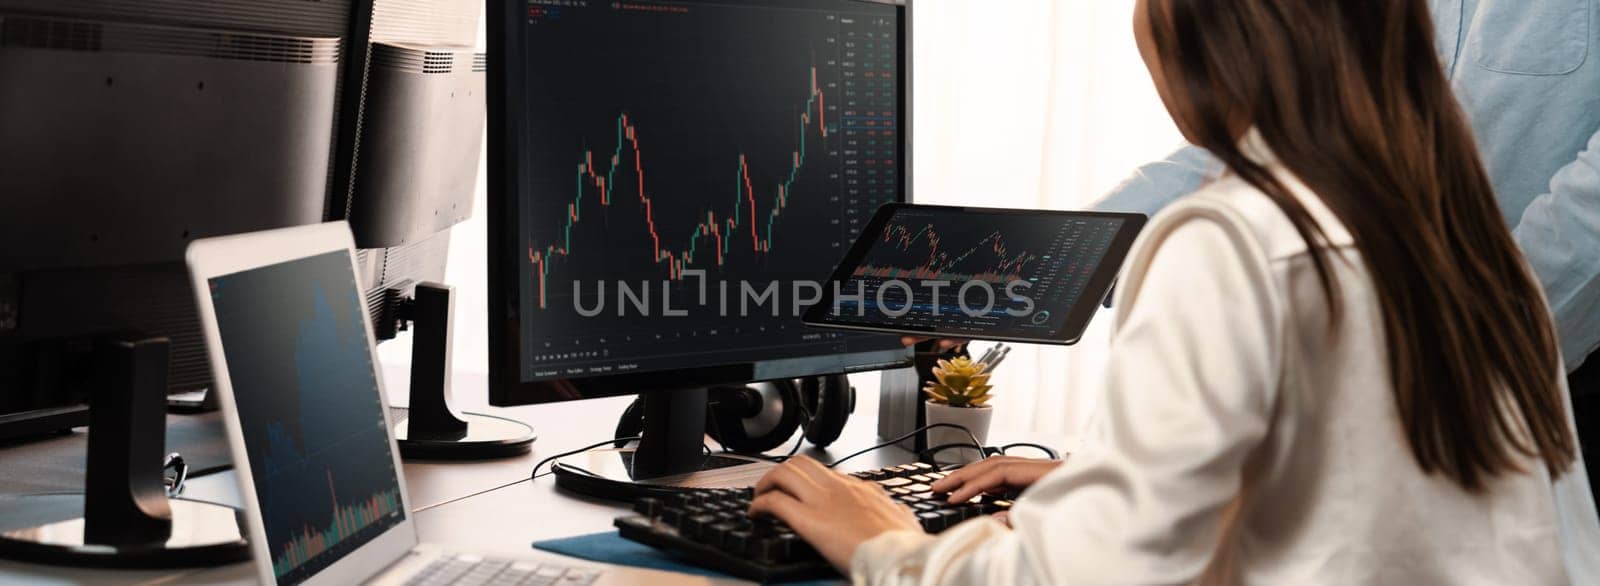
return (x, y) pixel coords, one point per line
(1330, 366)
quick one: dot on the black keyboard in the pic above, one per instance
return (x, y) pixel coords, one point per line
(711, 528)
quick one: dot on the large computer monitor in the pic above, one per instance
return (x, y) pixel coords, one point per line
(130, 128)
(666, 179)
(134, 127)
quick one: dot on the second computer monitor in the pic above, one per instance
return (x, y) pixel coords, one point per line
(670, 180)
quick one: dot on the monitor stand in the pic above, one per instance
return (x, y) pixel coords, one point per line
(430, 429)
(124, 518)
(42, 423)
(670, 456)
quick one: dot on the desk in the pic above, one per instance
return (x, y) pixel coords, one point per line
(467, 506)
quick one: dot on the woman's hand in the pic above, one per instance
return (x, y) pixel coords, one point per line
(997, 474)
(833, 512)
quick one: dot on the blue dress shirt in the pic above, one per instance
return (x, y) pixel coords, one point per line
(1528, 77)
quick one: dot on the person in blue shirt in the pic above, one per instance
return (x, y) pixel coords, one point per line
(1527, 72)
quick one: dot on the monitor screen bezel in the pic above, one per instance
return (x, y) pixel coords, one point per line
(507, 87)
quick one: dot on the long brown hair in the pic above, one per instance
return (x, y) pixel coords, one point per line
(1351, 98)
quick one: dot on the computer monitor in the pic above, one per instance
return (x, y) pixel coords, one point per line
(133, 128)
(668, 178)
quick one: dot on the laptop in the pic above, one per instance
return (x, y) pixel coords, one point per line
(324, 496)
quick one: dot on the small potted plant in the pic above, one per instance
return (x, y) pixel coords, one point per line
(959, 395)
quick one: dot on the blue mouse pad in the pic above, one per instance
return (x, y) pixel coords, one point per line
(611, 548)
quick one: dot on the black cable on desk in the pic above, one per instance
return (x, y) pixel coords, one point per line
(975, 443)
(534, 473)
(1054, 455)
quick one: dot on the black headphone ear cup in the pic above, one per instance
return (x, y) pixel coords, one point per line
(727, 423)
(631, 424)
(830, 399)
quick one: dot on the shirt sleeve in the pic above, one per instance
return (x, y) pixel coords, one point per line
(1162, 182)
(1191, 385)
(1560, 235)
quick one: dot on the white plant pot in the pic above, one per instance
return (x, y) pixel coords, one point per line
(975, 419)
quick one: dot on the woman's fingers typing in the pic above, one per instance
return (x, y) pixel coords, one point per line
(792, 480)
(993, 474)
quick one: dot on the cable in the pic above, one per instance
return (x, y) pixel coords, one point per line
(459, 499)
(975, 443)
(193, 474)
(805, 428)
(534, 473)
(805, 425)
(1054, 455)
(928, 454)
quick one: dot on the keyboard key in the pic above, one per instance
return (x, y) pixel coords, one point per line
(767, 549)
(671, 515)
(931, 521)
(894, 482)
(765, 527)
(717, 534)
(737, 540)
(580, 577)
(524, 567)
(647, 506)
(694, 527)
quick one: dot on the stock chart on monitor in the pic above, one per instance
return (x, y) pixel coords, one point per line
(975, 272)
(309, 409)
(696, 167)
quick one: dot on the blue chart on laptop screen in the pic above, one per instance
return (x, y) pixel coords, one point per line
(309, 407)
(977, 272)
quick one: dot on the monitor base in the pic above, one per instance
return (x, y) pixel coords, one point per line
(486, 437)
(202, 535)
(610, 475)
(42, 423)
(430, 428)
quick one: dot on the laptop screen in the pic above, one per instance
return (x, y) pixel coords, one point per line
(309, 408)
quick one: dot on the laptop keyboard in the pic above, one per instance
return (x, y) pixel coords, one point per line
(463, 569)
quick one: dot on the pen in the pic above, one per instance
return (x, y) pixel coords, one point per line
(1001, 356)
(987, 354)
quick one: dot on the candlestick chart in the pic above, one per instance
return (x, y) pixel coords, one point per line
(922, 253)
(689, 147)
(743, 216)
(974, 270)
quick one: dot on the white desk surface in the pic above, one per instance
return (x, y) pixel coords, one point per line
(456, 511)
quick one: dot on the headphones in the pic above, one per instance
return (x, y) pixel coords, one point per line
(758, 417)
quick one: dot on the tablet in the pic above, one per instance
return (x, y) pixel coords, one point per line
(982, 273)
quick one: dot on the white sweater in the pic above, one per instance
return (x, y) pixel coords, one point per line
(1237, 443)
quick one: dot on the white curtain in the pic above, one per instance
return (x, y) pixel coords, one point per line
(1033, 104)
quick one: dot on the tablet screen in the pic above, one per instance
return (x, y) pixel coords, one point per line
(978, 273)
